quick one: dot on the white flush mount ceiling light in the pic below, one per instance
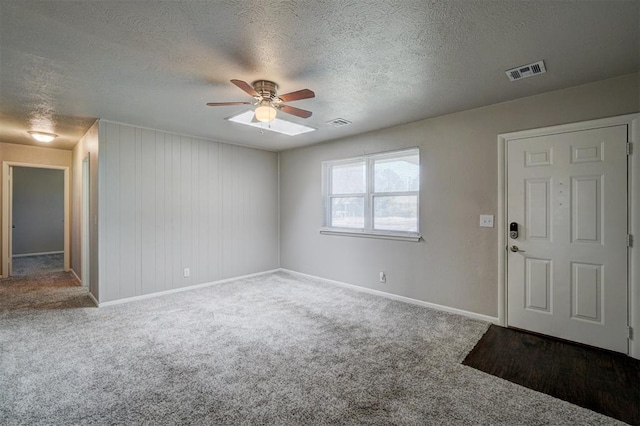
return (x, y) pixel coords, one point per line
(42, 136)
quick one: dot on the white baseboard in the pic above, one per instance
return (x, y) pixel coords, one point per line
(94, 299)
(474, 315)
(38, 254)
(178, 290)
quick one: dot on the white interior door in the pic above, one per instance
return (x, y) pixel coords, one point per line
(567, 269)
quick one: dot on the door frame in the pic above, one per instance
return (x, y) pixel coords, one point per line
(633, 225)
(85, 223)
(7, 209)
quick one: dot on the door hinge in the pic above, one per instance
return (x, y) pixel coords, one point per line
(630, 333)
(629, 148)
(629, 240)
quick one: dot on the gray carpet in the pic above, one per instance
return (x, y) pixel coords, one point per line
(38, 264)
(268, 350)
(54, 290)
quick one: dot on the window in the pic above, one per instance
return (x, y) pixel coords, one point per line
(375, 195)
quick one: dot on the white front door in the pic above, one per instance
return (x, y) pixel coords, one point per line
(567, 269)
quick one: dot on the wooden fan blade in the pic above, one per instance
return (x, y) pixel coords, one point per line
(302, 113)
(246, 87)
(296, 96)
(228, 103)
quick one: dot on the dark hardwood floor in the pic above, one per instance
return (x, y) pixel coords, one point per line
(602, 381)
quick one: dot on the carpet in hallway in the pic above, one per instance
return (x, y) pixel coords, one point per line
(55, 290)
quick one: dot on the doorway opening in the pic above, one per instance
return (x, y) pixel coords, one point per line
(35, 237)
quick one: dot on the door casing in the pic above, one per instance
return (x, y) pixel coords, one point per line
(6, 211)
(85, 227)
(633, 125)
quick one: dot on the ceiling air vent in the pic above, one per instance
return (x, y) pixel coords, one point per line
(338, 122)
(525, 71)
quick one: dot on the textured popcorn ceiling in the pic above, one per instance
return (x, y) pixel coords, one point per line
(375, 63)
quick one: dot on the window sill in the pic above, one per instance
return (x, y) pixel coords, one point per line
(372, 234)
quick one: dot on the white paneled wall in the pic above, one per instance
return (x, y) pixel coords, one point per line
(169, 202)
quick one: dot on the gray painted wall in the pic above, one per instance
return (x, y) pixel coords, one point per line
(456, 264)
(38, 210)
(168, 202)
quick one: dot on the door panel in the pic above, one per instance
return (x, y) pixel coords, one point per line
(538, 284)
(568, 194)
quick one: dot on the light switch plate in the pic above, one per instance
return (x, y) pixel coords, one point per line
(486, 220)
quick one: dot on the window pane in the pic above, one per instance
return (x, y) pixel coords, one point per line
(348, 178)
(347, 212)
(397, 174)
(398, 213)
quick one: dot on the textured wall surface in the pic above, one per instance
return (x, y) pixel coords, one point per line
(377, 63)
(170, 202)
(456, 265)
(38, 210)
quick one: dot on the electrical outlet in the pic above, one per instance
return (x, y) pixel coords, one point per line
(383, 277)
(486, 220)
(186, 273)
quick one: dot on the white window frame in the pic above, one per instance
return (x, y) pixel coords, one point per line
(369, 195)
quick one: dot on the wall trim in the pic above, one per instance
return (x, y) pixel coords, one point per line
(78, 278)
(396, 297)
(92, 297)
(633, 226)
(38, 254)
(181, 289)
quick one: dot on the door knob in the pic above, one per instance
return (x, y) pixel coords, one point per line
(515, 249)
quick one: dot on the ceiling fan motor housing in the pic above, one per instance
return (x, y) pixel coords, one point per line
(267, 89)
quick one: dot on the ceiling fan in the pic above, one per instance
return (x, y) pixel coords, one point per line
(266, 97)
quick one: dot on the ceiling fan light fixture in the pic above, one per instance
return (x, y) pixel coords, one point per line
(265, 113)
(42, 136)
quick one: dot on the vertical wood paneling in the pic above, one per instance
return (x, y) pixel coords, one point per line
(138, 196)
(200, 181)
(175, 199)
(185, 237)
(214, 209)
(127, 211)
(230, 195)
(159, 228)
(174, 202)
(168, 212)
(111, 212)
(147, 213)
